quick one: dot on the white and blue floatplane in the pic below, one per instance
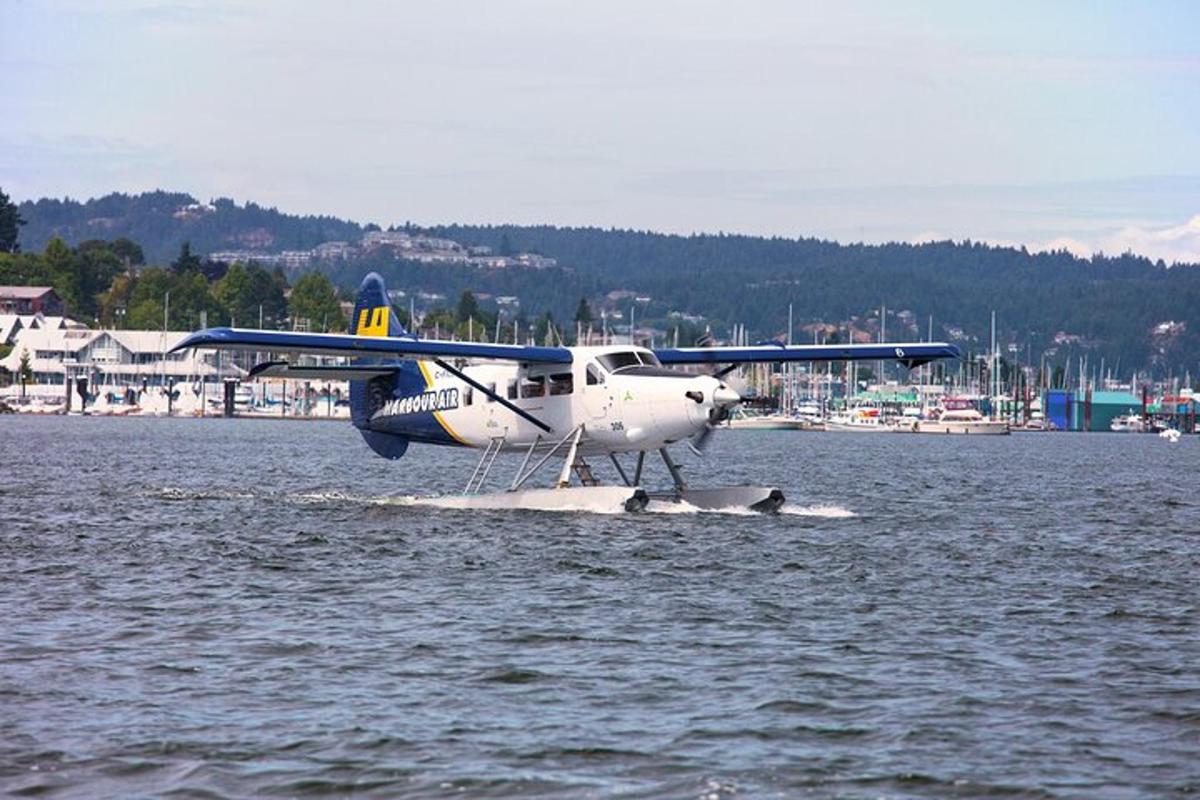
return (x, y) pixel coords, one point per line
(545, 403)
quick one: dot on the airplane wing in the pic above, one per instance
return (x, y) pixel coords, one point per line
(911, 354)
(351, 345)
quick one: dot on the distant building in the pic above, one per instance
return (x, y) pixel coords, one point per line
(13, 324)
(30, 300)
(239, 256)
(294, 258)
(535, 261)
(194, 211)
(256, 238)
(492, 262)
(372, 240)
(107, 358)
(288, 258)
(433, 244)
(334, 251)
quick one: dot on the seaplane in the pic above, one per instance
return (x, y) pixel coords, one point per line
(550, 405)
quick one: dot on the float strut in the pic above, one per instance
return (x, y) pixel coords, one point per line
(564, 477)
(620, 471)
(676, 475)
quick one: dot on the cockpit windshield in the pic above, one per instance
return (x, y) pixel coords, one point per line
(615, 362)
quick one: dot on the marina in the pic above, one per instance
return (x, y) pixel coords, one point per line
(74, 369)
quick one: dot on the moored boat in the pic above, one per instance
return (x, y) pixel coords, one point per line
(1127, 423)
(959, 416)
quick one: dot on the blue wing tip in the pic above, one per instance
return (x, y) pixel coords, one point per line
(201, 338)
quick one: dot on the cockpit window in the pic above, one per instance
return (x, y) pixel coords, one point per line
(616, 361)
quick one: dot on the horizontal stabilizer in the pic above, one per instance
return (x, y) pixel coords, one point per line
(282, 369)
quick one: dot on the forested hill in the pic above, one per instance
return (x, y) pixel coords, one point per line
(1114, 305)
(161, 221)
(1125, 309)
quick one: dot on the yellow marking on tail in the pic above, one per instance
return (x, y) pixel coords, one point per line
(378, 324)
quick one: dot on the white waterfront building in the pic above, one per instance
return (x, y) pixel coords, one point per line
(115, 360)
(131, 371)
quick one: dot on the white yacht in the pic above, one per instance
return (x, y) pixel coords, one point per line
(863, 420)
(1127, 423)
(961, 417)
(775, 422)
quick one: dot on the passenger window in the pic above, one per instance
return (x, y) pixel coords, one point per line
(492, 388)
(533, 386)
(468, 395)
(512, 389)
(594, 376)
(562, 383)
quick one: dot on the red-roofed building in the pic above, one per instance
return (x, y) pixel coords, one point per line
(30, 300)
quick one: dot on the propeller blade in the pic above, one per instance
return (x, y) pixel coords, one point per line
(699, 442)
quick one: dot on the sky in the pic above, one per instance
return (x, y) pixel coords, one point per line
(1065, 124)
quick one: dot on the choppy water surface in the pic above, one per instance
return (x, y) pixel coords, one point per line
(214, 608)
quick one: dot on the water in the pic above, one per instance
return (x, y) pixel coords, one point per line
(211, 608)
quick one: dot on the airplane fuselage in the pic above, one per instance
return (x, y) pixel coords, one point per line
(624, 399)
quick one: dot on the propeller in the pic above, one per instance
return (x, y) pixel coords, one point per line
(723, 399)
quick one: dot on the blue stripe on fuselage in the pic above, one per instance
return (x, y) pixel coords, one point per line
(421, 426)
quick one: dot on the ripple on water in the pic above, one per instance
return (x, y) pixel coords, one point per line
(253, 609)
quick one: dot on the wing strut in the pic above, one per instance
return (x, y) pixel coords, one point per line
(504, 401)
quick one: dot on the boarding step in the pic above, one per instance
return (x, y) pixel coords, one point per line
(583, 471)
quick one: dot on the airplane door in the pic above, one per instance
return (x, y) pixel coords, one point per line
(597, 395)
(497, 416)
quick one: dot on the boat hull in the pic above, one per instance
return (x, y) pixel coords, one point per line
(971, 428)
(851, 427)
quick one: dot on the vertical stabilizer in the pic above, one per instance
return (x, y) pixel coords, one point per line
(373, 313)
(374, 316)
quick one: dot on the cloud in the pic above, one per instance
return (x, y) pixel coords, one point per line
(1072, 245)
(1174, 244)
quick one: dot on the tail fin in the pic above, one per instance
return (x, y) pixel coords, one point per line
(373, 313)
(374, 316)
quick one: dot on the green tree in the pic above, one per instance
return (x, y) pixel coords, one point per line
(114, 304)
(97, 265)
(314, 299)
(187, 261)
(63, 271)
(545, 331)
(189, 296)
(506, 247)
(10, 225)
(128, 252)
(468, 307)
(234, 291)
(583, 314)
(24, 371)
(440, 321)
(22, 269)
(248, 293)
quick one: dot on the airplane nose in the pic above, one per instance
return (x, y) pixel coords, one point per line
(724, 397)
